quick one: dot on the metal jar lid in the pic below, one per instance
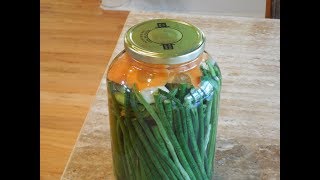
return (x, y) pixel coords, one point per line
(164, 41)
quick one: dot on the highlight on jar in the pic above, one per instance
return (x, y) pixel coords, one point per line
(163, 100)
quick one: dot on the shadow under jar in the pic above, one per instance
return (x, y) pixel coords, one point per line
(163, 100)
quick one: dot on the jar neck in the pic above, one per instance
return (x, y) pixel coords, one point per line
(169, 67)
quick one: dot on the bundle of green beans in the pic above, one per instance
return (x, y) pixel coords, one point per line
(172, 138)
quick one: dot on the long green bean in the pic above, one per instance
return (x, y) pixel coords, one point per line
(201, 130)
(166, 138)
(183, 142)
(194, 145)
(159, 139)
(146, 144)
(139, 151)
(155, 145)
(119, 160)
(195, 121)
(168, 110)
(129, 161)
(214, 122)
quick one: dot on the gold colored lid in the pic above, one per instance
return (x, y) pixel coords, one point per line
(164, 41)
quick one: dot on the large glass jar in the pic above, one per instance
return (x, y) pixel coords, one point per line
(163, 98)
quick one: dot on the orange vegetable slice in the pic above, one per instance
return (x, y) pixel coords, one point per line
(119, 70)
(146, 78)
(195, 75)
(125, 71)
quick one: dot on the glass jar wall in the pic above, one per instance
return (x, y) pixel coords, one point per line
(163, 105)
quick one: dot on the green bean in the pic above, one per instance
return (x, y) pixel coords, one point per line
(150, 172)
(133, 137)
(207, 137)
(194, 145)
(162, 115)
(159, 139)
(183, 143)
(165, 136)
(181, 94)
(139, 151)
(174, 91)
(206, 162)
(153, 141)
(168, 110)
(204, 71)
(139, 147)
(128, 160)
(166, 168)
(121, 157)
(208, 116)
(142, 172)
(143, 139)
(195, 121)
(211, 69)
(201, 130)
(184, 126)
(148, 147)
(119, 161)
(182, 91)
(214, 122)
(177, 124)
(217, 71)
(183, 113)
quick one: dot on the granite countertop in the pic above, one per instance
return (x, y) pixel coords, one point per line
(248, 139)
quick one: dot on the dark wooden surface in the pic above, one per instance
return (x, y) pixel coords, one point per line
(272, 9)
(268, 9)
(275, 9)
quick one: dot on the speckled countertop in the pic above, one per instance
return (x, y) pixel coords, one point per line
(248, 140)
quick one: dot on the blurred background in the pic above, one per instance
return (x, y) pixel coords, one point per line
(246, 8)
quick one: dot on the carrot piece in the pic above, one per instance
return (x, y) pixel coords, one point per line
(124, 71)
(119, 70)
(144, 78)
(195, 75)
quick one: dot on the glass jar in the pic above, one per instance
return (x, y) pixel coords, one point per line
(163, 98)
